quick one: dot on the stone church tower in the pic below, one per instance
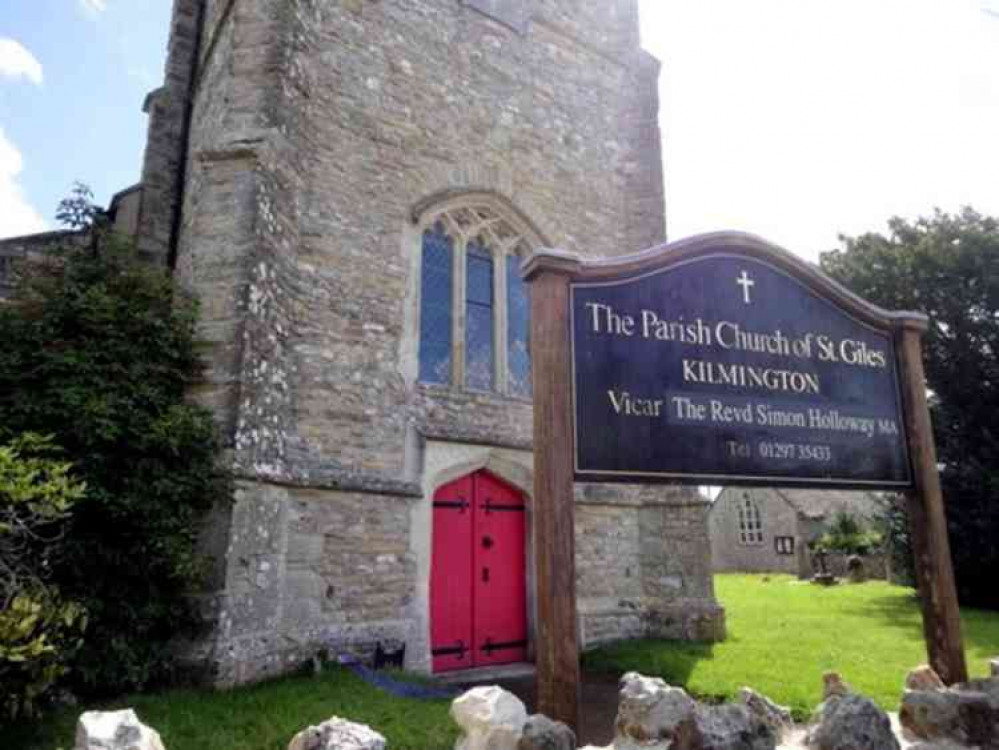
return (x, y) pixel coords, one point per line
(349, 187)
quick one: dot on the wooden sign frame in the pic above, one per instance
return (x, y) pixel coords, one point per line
(550, 273)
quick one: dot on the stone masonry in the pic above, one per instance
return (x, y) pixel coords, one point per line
(730, 552)
(296, 152)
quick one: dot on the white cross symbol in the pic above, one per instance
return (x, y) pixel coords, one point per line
(745, 282)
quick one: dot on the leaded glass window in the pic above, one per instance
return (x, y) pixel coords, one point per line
(518, 328)
(471, 293)
(479, 318)
(435, 306)
(750, 524)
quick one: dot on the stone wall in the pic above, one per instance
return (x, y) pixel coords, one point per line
(399, 101)
(312, 570)
(730, 554)
(15, 252)
(163, 169)
(310, 244)
(609, 571)
(321, 135)
(679, 585)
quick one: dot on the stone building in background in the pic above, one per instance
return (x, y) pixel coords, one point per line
(768, 530)
(349, 187)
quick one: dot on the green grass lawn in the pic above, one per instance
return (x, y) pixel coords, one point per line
(262, 717)
(782, 635)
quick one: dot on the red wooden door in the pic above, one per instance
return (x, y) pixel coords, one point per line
(478, 574)
(500, 621)
(451, 577)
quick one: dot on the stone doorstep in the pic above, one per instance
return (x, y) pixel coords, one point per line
(481, 675)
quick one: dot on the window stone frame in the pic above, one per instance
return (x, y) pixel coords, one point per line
(506, 232)
(750, 522)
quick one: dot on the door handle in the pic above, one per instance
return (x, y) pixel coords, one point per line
(487, 542)
(485, 575)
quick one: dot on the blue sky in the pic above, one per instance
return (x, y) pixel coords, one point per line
(82, 120)
(792, 119)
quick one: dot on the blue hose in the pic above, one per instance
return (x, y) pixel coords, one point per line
(397, 687)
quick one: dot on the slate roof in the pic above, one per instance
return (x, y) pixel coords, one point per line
(818, 504)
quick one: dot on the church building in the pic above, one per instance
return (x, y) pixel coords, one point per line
(349, 188)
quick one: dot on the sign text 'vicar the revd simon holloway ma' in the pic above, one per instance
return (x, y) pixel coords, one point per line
(725, 367)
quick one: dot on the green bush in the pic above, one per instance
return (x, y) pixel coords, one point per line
(898, 546)
(39, 632)
(99, 350)
(846, 535)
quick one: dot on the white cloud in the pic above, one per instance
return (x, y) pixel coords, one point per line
(17, 215)
(94, 6)
(800, 120)
(17, 61)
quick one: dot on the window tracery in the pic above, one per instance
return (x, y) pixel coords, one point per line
(474, 310)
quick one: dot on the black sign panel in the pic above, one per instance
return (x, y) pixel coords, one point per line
(724, 367)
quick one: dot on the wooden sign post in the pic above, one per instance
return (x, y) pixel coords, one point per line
(927, 519)
(721, 359)
(557, 647)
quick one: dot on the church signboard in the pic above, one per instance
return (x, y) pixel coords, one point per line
(725, 367)
(721, 359)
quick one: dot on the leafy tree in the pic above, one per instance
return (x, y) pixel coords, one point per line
(894, 520)
(39, 631)
(947, 266)
(78, 210)
(98, 351)
(847, 535)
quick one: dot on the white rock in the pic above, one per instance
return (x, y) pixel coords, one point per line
(490, 719)
(652, 714)
(337, 734)
(115, 730)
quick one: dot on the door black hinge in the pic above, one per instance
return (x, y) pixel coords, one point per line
(490, 506)
(458, 650)
(461, 504)
(489, 646)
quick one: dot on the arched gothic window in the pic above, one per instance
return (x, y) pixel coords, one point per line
(474, 311)
(750, 523)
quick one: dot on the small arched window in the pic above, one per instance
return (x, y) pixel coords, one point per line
(474, 310)
(750, 523)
